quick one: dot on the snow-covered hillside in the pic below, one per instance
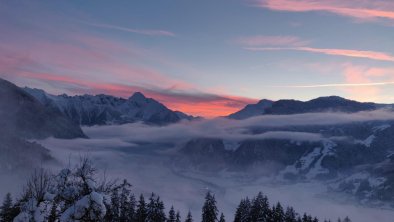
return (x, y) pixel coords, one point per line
(105, 109)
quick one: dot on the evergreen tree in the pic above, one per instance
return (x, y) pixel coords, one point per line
(277, 214)
(260, 209)
(178, 217)
(69, 200)
(209, 210)
(131, 208)
(171, 215)
(53, 216)
(126, 203)
(6, 210)
(189, 217)
(155, 209)
(113, 214)
(307, 218)
(290, 215)
(242, 213)
(141, 213)
(222, 219)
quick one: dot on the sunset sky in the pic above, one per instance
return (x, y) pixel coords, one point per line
(202, 57)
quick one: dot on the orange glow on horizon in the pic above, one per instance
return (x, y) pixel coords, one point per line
(210, 106)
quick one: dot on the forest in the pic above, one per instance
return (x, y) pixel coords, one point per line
(75, 194)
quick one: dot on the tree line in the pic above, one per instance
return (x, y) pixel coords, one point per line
(75, 195)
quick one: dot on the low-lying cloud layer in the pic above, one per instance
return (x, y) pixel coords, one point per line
(234, 130)
(121, 151)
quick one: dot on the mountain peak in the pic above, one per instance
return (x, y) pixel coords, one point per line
(138, 97)
(264, 101)
(331, 98)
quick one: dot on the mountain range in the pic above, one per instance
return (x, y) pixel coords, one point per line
(22, 118)
(353, 158)
(23, 115)
(356, 158)
(321, 104)
(89, 110)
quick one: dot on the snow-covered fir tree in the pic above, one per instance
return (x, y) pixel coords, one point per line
(290, 215)
(7, 210)
(178, 217)
(77, 195)
(242, 213)
(260, 209)
(141, 212)
(209, 210)
(278, 213)
(222, 219)
(171, 215)
(189, 217)
(155, 209)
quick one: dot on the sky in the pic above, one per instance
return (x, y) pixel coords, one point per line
(207, 57)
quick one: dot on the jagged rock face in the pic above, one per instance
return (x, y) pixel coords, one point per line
(21, 114)
(104, 109)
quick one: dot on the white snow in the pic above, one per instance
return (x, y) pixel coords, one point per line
(367, 142)
(231, 145)
(381, 127)
(91, 204)
(311, 162)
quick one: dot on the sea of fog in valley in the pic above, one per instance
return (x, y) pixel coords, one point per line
(144, 154)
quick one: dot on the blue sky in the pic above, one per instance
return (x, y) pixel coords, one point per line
(203, 57)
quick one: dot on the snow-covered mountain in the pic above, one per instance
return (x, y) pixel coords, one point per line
(105, 109)
(355, 158)
(321, 104)
(252, 110)
(24, 116)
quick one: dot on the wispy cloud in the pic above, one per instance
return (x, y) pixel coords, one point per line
(362, 83)
(95, 65)
(359, 9)
(338, 85)
(150, 32)
(187, 100)
(374, 55)
(263, 40)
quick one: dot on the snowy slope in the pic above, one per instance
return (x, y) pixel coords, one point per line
(252, 110)
(105, 109)
(24, 116)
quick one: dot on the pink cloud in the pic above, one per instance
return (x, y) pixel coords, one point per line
(361, 83)
(85, 57)
(359, 9)
(374, 55)
(82, 63)
(358, 75)
(262, 40)
(191, 102)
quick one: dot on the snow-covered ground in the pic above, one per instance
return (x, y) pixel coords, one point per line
(148, 167)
